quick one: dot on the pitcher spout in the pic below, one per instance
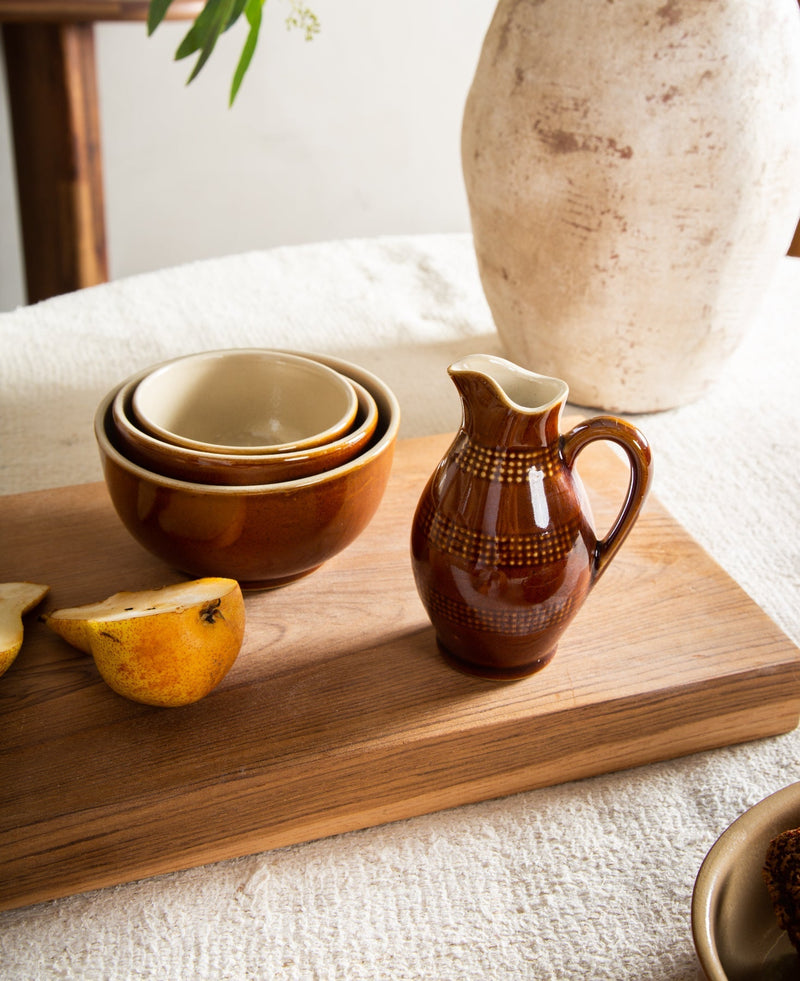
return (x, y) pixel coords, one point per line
(502, 400)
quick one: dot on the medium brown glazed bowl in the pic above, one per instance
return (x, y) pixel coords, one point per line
(236, 469)
(734, 925)
(244, 400)
(263, 535)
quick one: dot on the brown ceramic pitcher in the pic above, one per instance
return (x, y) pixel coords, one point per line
(503, 546)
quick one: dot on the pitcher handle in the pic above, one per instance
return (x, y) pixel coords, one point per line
(637, 450)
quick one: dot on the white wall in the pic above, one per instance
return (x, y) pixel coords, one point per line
(355, 133)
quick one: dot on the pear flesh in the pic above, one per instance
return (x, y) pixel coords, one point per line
(169, 646)
(16, 599)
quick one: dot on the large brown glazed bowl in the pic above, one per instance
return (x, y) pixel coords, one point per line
(263, 535)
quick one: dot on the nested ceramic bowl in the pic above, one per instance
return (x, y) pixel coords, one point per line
(236, 469)
(244, 400)
(734, 925)
(263, 535)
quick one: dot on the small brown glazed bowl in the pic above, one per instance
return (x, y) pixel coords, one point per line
(236, 469)
(244, 400)
(263, 535)
(734, 925)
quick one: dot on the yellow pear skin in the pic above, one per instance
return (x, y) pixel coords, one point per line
(16, 599)
(168, 647)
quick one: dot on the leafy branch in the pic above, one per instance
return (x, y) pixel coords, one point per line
(215, 18)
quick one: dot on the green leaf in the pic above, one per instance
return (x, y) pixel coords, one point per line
(237, 12)
(252, 11)
(216, 17)
(205, 31)
(156, 13)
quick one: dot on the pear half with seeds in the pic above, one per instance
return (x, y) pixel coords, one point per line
(169, 646)
(16, 599)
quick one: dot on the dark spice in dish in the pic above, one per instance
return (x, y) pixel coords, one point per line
(781, 874)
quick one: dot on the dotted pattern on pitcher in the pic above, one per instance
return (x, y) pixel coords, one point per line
(506, 465)
(478, 548)
(520, 621)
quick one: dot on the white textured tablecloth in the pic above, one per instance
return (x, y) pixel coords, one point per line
(591, 879)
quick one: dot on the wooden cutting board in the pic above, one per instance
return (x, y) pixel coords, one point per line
(339, 713)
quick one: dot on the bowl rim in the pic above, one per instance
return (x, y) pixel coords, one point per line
(188, 454)
(311, 439)
(373, 449)
(712, 875)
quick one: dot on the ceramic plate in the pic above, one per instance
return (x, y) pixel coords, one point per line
(735, 930)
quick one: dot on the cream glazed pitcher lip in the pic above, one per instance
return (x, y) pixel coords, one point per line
(521, 389)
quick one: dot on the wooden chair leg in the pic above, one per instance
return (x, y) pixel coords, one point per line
(53, 103)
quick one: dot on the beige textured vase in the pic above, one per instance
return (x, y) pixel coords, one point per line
(633, 175)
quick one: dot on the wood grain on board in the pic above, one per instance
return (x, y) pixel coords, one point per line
(339, 712)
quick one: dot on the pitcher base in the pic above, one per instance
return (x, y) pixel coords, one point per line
(496, 672)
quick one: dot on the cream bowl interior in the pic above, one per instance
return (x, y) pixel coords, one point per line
(244, 400)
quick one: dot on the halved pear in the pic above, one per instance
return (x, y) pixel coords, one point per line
(16, 599)
(169, 646)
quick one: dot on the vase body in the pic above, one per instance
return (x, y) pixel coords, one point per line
(632, 175)
(503, 546)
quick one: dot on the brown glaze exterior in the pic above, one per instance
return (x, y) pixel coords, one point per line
(504, 550)
(261, 535)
